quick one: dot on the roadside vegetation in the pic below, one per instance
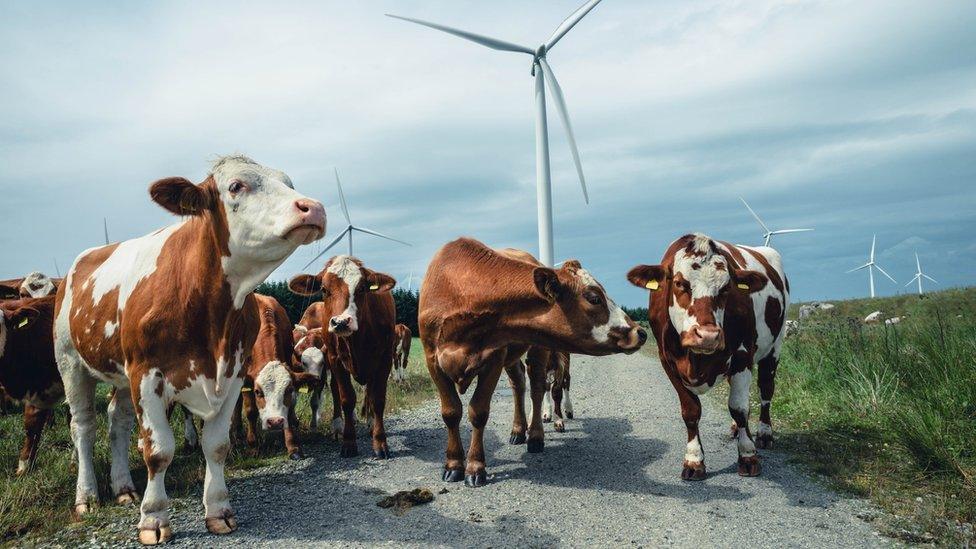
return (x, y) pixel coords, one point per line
(39, 503)
(889, 411)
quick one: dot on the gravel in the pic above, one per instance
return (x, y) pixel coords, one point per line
(611, 479)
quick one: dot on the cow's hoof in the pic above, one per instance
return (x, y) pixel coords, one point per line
(348, 451)
(155, 536)
(222, 525)
(476, 480)
(749, 466)
(546, 418)
(517, 438)
(381, 453)
(296, 455)
(559, 426)
(764, 441)
(453, 475)
(693, 471)
(82, 509)
(127, 497)
(536, 445)
(569, 415)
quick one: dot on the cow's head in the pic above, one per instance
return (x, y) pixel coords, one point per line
(698, 283)
(308, 349)
(274, 391)
(14, 317)
(596, 324)
(344, 284)
(37, 284)
(257, 215)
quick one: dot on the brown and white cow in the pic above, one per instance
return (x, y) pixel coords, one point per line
(270, 385)
(28, 371)
(401, 352)
(170, 317)
(35, 284)
(480, 311)
(716, 309)
(360, 318)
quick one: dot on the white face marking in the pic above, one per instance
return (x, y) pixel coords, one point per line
(707, 280)
(37, 284)
(275, 381)
(617, 318)
(313, 360)
(350, 273)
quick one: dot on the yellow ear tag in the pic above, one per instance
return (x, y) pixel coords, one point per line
(742, 286)
(374, 287)
(303, 390)
(23, 323)
(652, 285)
(246, 389)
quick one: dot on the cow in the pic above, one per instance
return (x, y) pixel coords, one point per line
(359, 317)
(481, 310)
(401, 352)
(35, 284)
(28, 371)
(170, 317)
(716, 309)
(310, 354)
(270, 385)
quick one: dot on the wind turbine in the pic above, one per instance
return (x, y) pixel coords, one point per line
(766, 232)
(543, 76)
(919, 275)
(347, 232)
(105, 228)
(871, 265)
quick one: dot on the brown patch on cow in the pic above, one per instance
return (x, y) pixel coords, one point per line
(774, 315)
(738, 260)
(770, 273)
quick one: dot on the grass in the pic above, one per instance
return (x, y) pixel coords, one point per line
(889, 412)
(38, 504)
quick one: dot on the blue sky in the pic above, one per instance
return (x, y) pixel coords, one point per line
(853, 117)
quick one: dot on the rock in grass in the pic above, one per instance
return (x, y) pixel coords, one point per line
(403, 500)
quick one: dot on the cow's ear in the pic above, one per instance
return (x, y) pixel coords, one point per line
(749, 281)
(649, 277)
(305, 284)
(547, 284)
(572, 264)
(379, 282)
(180, 196)
(23, 317)
(9, 292)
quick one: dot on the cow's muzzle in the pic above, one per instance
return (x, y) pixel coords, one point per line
(704, 339)
(341, 326)
(274, 423)
(631, 340)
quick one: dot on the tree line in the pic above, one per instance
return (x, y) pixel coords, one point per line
(295, 305)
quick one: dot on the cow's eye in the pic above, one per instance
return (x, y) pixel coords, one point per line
(259, 393)
(237, 187)
(593, 297)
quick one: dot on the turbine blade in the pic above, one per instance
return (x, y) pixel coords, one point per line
(557, 95)
(873, 239)
(492, 43)
(917, 264)
(570, 22)
(929, 277)
(56, 268)
(105, 228)
(866, 265)
(912, 280)
(885, 273)
(327, 248)
(381, 235)
(754, 214)
(342, 198)
(785, 231)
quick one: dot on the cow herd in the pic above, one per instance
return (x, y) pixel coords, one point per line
(171, 319)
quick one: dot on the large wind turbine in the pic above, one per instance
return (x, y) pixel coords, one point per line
(347, 232)
(766, 232)
(871, 265)
(543, 76)
(919, 275)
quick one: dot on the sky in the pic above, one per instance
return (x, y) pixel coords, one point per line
(851, 117)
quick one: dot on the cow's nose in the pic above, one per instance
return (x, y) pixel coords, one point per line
(276, 423)
(311, 212)
(339, 323)
(641, 335)
(707, 334)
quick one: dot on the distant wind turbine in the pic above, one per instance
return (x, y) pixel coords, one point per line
(871, 265)
(105, 228)
(347, 232)
(56, 268)
(919, 275)
(543, 76)
(766, 232)
(410, 282)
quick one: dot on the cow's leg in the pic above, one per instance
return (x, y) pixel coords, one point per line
(121, 421)
(567, 403)
(556, 393)
(739, 385)
(451, 413)
(377, 389)
(475, 474)
(314, 401)
(516, 380)
(79, 391)
(547, 402)
(347, 396)
(190, 439)
(535, 367)
(337, 423)
(767, 384)
(293, 445)
(219, 515)
(158, 448)
(249, 407)
(34, 420)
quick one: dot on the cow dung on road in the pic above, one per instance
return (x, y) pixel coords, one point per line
(402, 501)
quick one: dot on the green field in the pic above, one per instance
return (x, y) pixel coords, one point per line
(39, 503)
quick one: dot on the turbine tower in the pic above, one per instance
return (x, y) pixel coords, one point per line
(871, 265)
(347, 232)
(919, 275)
(543, 77)
(766, 232)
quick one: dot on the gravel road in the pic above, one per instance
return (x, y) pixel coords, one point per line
(611, 479)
